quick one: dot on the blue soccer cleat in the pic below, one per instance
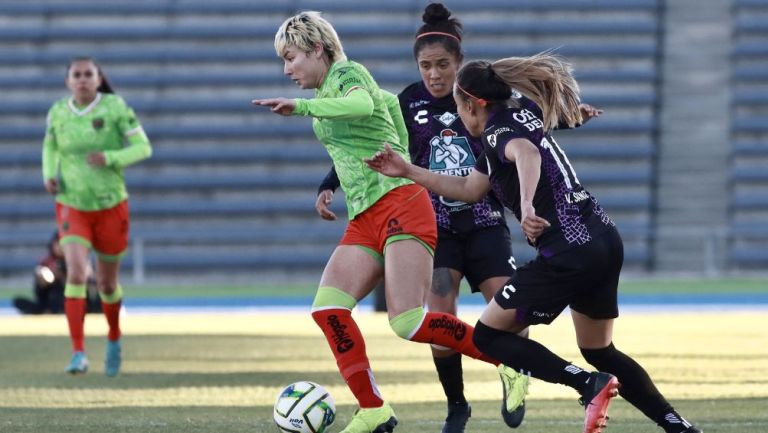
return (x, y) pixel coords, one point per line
(113, 358)
(78, 364)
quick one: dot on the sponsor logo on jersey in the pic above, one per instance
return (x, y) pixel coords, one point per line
(492, 140)
(420, 117)
(451, 155)
(416, 104)
(446, 118)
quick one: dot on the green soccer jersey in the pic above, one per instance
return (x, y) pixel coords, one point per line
(106, 125)
(352, 120)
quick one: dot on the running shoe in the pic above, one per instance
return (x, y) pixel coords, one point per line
(373, 420)
(600, 389)
(78, 364)
(113, 359)
(458, 415)
(515, 386)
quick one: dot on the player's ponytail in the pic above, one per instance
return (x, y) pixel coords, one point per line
(548, 81)
(544, 78)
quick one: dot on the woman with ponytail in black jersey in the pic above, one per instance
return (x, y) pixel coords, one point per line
(580, 252)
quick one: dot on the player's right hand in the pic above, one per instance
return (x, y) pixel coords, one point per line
(388, 162)
(533, 225)
(323, 203)
(52, 186)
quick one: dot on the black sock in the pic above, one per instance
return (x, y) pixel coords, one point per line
(528, 357)
(451, 377)
(636, 386)
(672, 422)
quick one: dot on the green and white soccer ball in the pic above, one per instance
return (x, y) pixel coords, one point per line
(304, 407)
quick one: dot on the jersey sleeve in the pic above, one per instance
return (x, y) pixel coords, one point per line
(350, 98)
(500, 136)
(393, 106)
(357, 104)
(331, 181)
(481, 164)
(129, 127)
(50, 150)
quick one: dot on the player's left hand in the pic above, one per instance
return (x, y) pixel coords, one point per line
(589, 112)
(97, 159)
(282, 106)
(533, 225)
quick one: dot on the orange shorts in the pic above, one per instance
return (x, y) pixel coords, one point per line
(106, 231)
(404, 212)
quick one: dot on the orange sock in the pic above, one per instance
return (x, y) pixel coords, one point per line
(449, 331)
(112, 313)
(348, 348)
(75, 308)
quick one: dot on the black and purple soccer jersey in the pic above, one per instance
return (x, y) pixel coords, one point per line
(439, 142)
(574, 214)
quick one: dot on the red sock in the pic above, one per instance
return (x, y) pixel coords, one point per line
(348, 348)
(74, 308)
(449, 331)
(112, 313)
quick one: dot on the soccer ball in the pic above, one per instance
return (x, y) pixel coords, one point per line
(304, 407)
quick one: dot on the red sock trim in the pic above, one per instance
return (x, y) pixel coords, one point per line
(74, 309)
(112, 313)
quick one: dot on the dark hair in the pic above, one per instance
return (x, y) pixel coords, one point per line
(544, 78)
(477, 79)
(104, 87)
(437, 19)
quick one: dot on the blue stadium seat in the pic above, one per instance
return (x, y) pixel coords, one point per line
(260, 78)
(345, 30)
(243, 105)
(362, 53)
(82, 8)
(302, 129)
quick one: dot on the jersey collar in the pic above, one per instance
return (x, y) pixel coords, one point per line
(86, 110)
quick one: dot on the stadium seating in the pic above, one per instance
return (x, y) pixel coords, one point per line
(231, 187)
(747, 234)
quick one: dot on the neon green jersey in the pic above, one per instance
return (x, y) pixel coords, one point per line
(73, 133)
(352, 120)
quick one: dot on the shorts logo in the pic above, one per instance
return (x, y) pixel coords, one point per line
(507, 291)
(449, 326)
(393, 227)
(341, 338)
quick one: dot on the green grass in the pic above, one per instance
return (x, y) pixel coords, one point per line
(642, 286)
(221, 373)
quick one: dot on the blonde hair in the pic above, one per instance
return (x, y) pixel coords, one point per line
(546, 79)
(306, 29)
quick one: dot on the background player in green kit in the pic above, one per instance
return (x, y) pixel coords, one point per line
(90, 137)
(392, 229)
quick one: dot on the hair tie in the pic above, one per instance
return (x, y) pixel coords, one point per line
(480, 101)
(438, 33)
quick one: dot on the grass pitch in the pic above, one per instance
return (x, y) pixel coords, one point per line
(221, 372)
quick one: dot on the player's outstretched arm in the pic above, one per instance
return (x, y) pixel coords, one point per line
(469, 189)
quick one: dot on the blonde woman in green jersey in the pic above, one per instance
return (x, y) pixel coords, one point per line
(90, 137)
(392, 229)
